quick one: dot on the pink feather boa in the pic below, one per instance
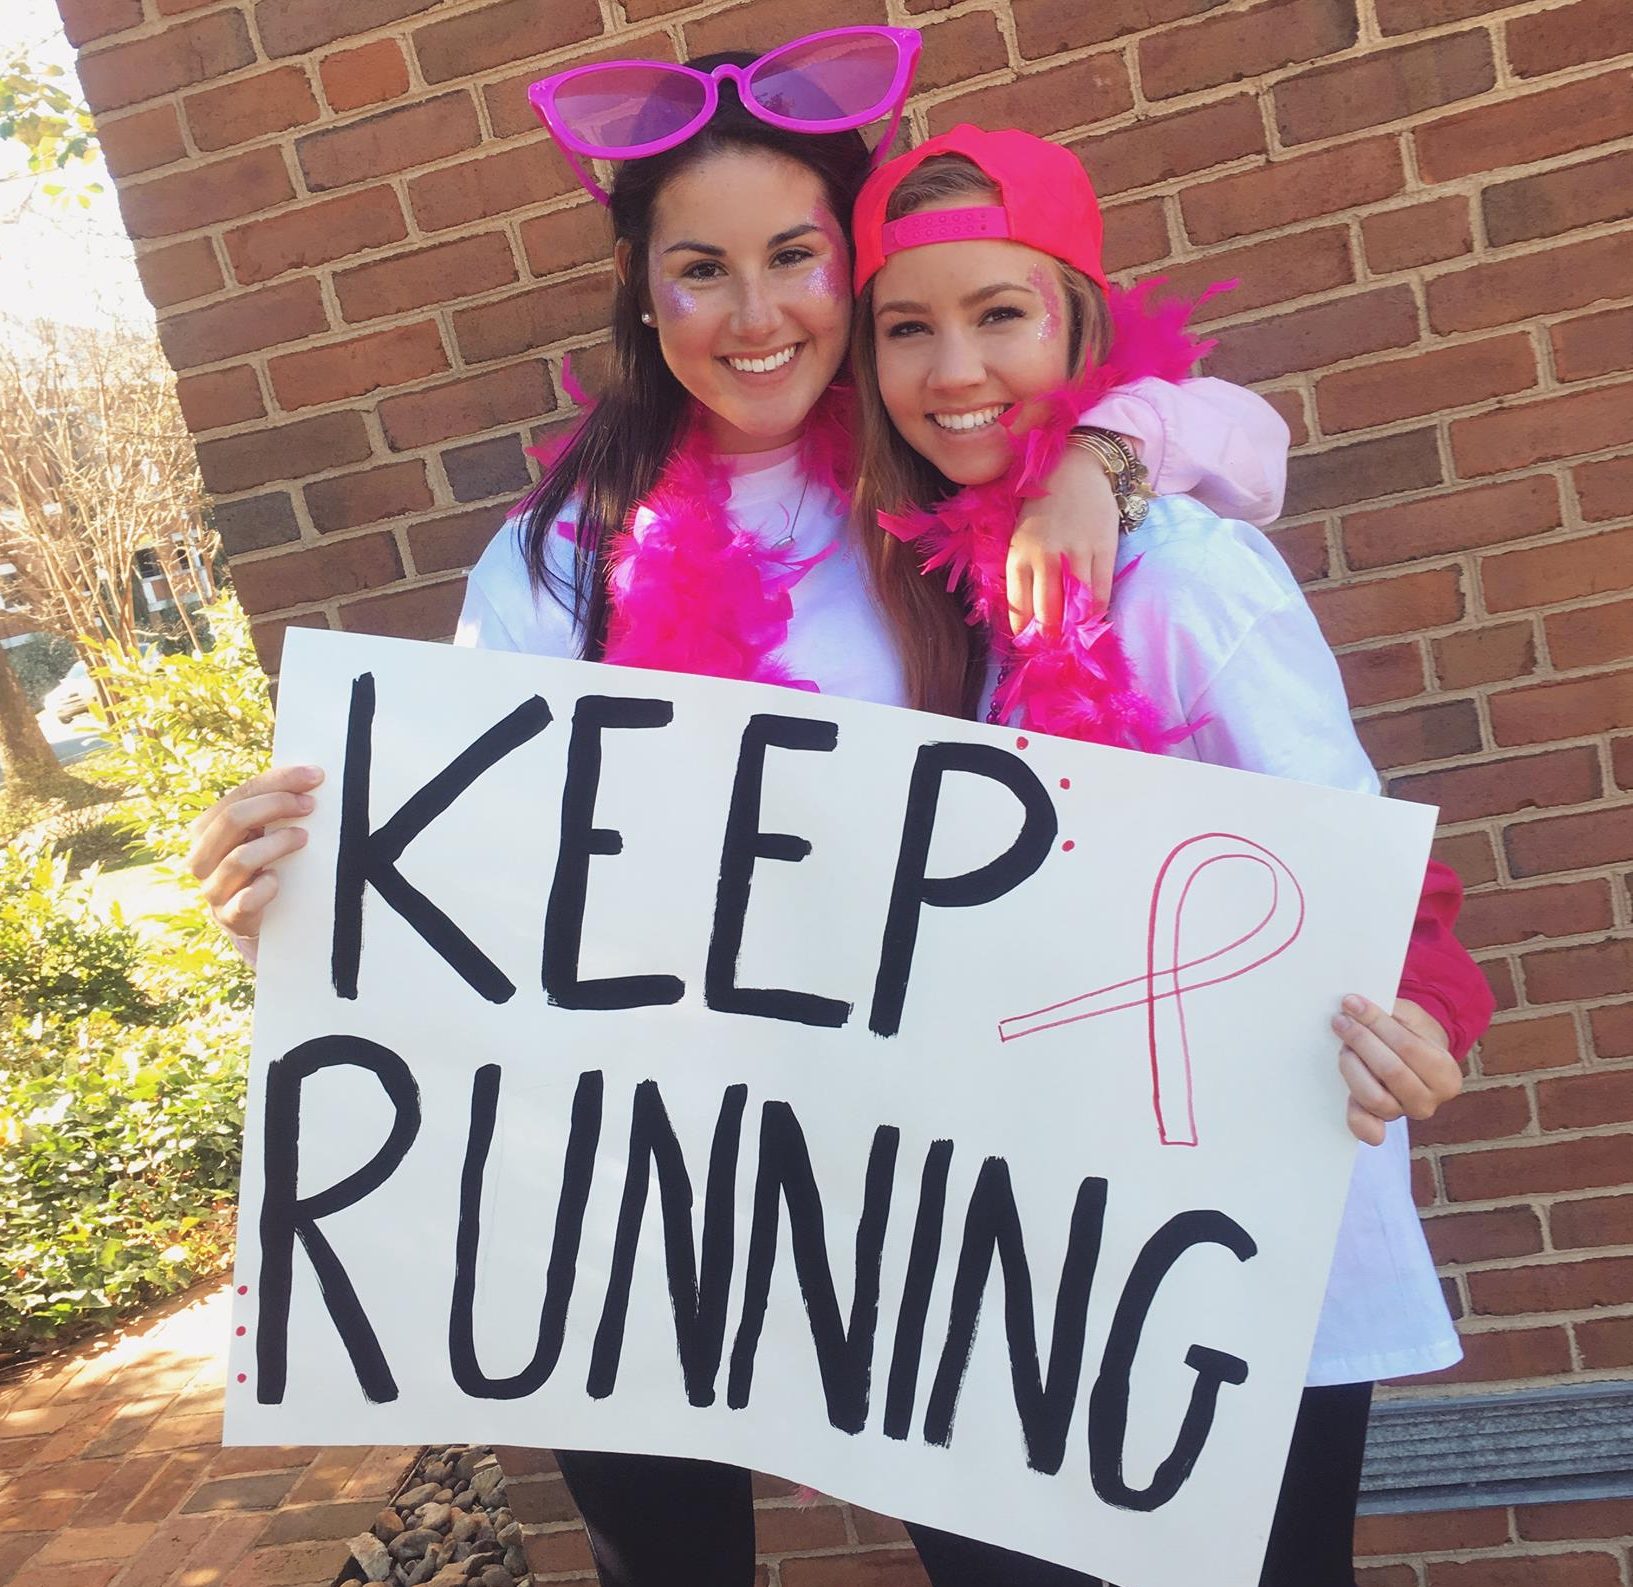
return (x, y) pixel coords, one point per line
(691, 591)
(1077, 683)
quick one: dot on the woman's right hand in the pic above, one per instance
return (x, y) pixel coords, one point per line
(233, 854)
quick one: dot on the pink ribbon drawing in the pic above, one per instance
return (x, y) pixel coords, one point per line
(1161, 989)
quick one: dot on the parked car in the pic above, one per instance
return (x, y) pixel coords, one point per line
(73, 695)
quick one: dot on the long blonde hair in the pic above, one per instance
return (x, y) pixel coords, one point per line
(943, 656)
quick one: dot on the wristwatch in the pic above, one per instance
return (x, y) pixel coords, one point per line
(1130, 484)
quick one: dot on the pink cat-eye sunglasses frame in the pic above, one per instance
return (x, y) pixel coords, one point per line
(543, 96)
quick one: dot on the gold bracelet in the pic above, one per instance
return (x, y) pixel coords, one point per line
(1130, 484)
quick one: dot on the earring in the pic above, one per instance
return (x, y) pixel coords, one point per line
(646, 319)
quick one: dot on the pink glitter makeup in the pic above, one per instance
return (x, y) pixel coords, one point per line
(830, 279)
(1042, 281)
(677, 302)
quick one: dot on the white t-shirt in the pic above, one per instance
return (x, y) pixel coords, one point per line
(1212, 622)
(836, 637)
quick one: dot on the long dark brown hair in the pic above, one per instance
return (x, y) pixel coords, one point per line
(618, 453)
(943, 656)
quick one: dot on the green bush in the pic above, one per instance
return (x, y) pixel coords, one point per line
(120, 1117)
(187, 728)
(119, 1151)
(57, 956)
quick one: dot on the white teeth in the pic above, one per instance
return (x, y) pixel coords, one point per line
(968, 421)
(761, 366)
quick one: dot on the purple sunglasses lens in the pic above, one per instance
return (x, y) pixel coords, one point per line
(827, 78)
(624, 107)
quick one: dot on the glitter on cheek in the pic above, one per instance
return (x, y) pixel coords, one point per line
(825, 283)
(831, 278)
(677, 302)
(1042, 282)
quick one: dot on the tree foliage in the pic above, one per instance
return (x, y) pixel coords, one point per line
(38, 111)
(96, 465)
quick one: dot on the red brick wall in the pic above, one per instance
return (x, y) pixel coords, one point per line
(368, 265)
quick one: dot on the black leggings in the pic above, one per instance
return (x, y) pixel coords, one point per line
(655, 1522)
(1312, 1539)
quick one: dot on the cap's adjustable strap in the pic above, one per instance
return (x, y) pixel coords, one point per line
(944, 225)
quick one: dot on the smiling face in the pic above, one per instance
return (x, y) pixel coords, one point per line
(964, 333)
(748, 273)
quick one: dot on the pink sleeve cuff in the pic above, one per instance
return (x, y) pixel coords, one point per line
(1206, 438)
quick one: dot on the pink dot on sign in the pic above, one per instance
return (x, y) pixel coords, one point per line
(1067, 846)
(243, 1377)
(240, 1331)
(243, 1289)
(1022, 742)
(1065, 782)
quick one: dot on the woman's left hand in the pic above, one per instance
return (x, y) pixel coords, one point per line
(1077, 521)
(1394, 1064)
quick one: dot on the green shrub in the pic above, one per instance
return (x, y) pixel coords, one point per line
(120, 1119)
(57, 956)
(187, 728)
(119, 1152)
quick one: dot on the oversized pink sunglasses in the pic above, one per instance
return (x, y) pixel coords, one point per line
(834, 81)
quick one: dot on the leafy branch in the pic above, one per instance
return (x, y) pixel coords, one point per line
(52, 124)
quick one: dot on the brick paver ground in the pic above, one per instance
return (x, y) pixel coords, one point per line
(112, 1472)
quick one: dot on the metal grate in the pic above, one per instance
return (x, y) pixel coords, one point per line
(1536, 1447)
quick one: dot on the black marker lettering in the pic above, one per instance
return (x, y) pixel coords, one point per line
(366, 857)
(1045, 1401)
(1108, 1404)
(286, 1215)
(913, 890)
(844, 1354)
(698, 1289)
(581, 838)
(578, 1167)
(744, 844)
(922, 1258)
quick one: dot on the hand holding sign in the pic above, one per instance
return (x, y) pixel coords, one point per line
(236, 844)
(1396, 1066)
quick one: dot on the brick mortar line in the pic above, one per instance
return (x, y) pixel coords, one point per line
(1569, 1255)
(456, 372)
(1522, 1548)
(1442, 694)
(1576, 1132)
(1532, 1134)
(440, 508)
(1620, 799)
(1434, 341)
(157, 27)
(1569, 1317)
